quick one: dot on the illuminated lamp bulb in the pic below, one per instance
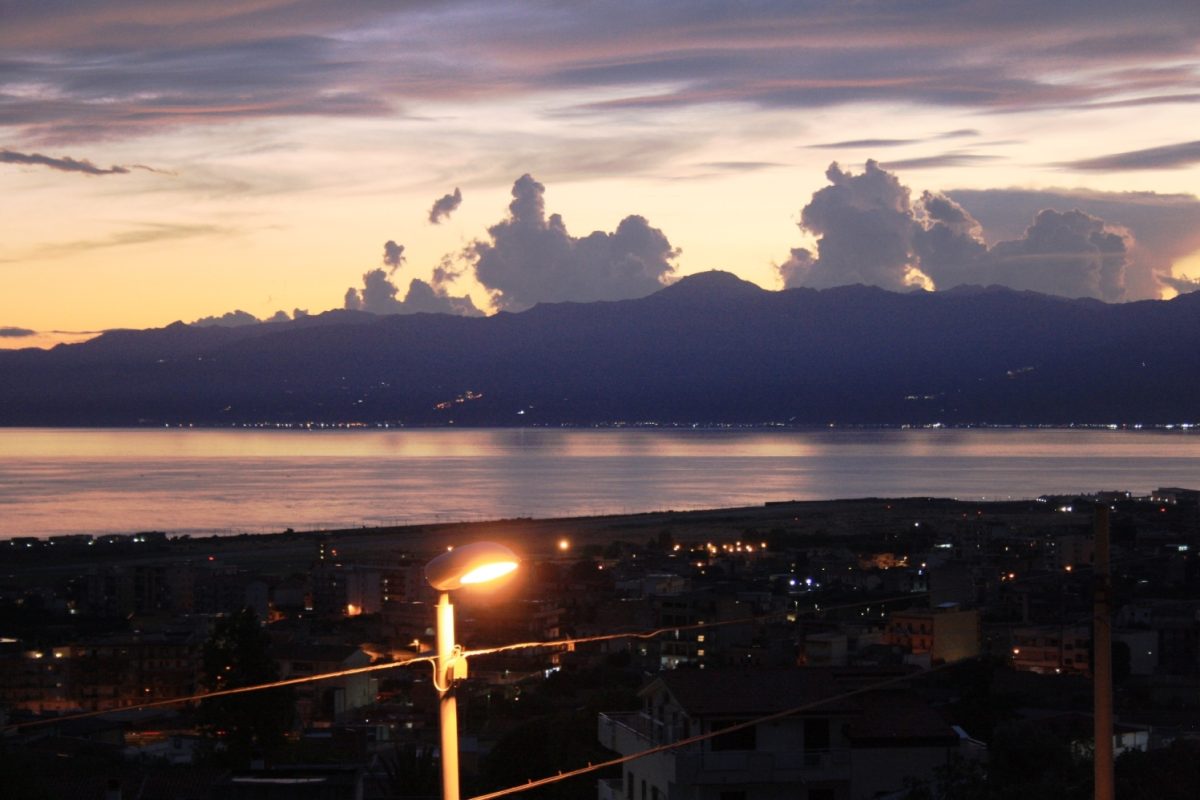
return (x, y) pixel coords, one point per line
(470, 564)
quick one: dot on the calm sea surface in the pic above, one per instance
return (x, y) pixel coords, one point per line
(217, 481)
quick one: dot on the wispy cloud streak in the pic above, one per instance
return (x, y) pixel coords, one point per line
(62, 164)
(88, 71)
(1167, 157)
(146, 234)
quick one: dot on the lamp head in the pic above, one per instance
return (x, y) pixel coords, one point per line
(470, 564)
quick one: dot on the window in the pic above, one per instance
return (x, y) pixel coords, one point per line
(816, 734)
(742, 739)
(628, 786)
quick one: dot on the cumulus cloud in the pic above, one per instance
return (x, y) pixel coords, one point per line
(1182, 284)
(282, 316)
(947, 242)
(12, 332)
(531, 258)
(1065, 253)
(863, 224)
(238, 318)
(380, 294)
(231, 319)
(1165, 227)
(444, 206)
(393, 255)
(869, 232)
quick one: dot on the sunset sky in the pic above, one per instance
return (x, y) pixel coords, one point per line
(173, 160)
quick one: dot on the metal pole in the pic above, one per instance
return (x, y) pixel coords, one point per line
(1102, 661)
(448, 704)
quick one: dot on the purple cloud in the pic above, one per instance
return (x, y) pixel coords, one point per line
(868, 231)
(393, 255)
(530, 258)
(62, 164)
(444, 206)
(1166, 157)
(119, 69)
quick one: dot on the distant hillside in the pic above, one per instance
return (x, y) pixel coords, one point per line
(708, 349)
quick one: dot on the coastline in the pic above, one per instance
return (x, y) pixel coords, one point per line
(832, 520)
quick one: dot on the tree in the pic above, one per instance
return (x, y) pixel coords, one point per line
(239, 726)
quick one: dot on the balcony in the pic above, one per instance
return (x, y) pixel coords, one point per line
(609, 789)
(629, 732)
(632, 732)
(765, 766)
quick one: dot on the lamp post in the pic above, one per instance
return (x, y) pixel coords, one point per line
(463, 566)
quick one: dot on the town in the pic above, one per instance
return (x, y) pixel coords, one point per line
(912, 647)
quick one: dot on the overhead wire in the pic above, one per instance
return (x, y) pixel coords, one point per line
(303, 679)
(606, 637)
(690, 740)
(258, 687)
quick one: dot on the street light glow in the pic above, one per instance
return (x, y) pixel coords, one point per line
(470, 564)
(461, 566)
(488, 572)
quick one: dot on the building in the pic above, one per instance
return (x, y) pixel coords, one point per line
(840, 748)
(331, 699)
(1052, 649)
(935, 636)
(825, 649)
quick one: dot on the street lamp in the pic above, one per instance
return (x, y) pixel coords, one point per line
(469, 565)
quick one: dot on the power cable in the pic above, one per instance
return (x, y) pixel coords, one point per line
(562, 776)
(222, 693)
(691, 626)
(433, 660)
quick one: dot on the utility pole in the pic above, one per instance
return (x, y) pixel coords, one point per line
(1102, 660)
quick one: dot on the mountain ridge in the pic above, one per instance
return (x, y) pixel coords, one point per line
(708, 349)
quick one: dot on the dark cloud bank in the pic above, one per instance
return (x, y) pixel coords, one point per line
(869, 230)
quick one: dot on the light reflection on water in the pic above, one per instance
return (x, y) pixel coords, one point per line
(223, 481)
